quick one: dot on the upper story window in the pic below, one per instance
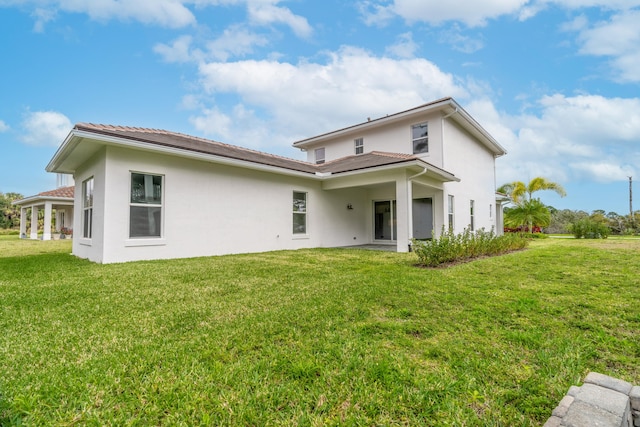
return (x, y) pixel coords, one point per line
(420, 138)
(359, 145)
(319, 154)
(145, 208)
(87, 208)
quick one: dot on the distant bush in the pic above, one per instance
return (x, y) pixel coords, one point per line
(589, 229)
(451, 247)
(535, 235)
(9, 232)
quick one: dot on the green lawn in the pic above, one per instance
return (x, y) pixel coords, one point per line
(312, 337)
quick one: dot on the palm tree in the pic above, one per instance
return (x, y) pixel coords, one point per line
(530, 212)
(519, 191)
(535, 212)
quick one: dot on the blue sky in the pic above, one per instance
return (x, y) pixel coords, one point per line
(555, 81)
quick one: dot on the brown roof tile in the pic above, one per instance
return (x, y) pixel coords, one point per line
(201, 145)
(59, 192)
(196, 144)
(364, 161)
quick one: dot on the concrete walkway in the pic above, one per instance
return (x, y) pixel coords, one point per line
(602, 401)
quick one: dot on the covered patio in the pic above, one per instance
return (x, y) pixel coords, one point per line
(59, 200)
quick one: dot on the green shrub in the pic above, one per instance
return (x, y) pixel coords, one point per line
(451, 247)
(589, 229)
(534, 235)
(9, 232)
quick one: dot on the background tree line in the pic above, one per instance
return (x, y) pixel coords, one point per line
(527, 213)
(9, 214)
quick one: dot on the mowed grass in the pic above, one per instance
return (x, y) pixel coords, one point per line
(312, 337)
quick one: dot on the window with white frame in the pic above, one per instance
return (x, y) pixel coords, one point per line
(299, 212)
(145, 207)
(451, 212)
(420, 138)
(471, 218)
(359, 145)
(87, 208)
(319, 154)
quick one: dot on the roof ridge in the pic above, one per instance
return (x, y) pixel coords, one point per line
(116, 128)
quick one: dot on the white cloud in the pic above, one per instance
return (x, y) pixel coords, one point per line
(45, 128)
(236, 41)
(266, 13)
(473, 13)
(617, 38)
(42, 16)
(375, 14)
(178, 51)
(166, 13)
(436, 12)
(405, 47)
(465, 44)
(585, 137)
(603, 171)
(307, 98)
(3, 126)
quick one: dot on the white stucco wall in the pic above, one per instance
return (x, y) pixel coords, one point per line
(394, 138)
(82, 247)
(212, 209)
(475, 166)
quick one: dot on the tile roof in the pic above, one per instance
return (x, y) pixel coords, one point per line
(59, 192)
(196, 144)
(364, 161)
(201, 145)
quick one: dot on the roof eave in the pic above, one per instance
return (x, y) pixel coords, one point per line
(442, 174)
(62, 153)
(34, 199)
(440, 103)
(76, 136)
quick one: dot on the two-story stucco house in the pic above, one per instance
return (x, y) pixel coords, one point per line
(151, 194)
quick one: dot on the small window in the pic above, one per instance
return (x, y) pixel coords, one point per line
(299, 212)
(87, 208)
(145, 208)
(420, 138)
(319, 153)
(359, 144)
(471, 222)
(490, 210)
(451, 215)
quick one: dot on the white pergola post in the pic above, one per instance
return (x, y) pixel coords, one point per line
(403, 213)
(34, 222)
(23, 222)
(46, 234)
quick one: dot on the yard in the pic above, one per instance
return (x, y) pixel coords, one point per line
(312, 337)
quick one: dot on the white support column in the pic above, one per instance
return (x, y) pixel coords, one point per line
(499, 220)
(410, 210)
(403, 211)
(23, 222)
(46, 234)
(34, 222)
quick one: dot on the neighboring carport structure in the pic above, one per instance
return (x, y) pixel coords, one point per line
(60, 200)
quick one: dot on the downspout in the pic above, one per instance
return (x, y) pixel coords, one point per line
(446, 116)
(411, 178)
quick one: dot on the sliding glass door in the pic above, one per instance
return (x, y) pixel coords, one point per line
(385, 226)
